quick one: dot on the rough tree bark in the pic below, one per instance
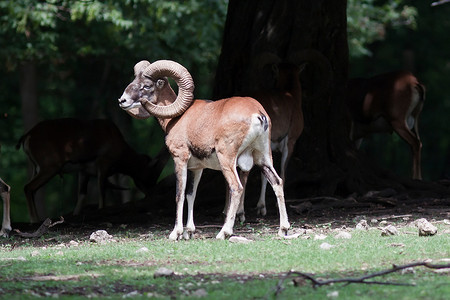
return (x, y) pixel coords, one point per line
(324, 162)
(28, 94)
(30, 116)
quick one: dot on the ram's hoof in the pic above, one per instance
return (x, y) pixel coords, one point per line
(261, 211)
(241, 217)
(222, 235)
(188, 235)
(283, 232)
(175, 235)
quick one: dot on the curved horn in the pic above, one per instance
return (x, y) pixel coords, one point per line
(140, 66)
(259, 76)
(168, 68)
(265, 58)
(319, 61)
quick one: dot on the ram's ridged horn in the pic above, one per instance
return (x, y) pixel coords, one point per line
(140, 66)
(168, 68)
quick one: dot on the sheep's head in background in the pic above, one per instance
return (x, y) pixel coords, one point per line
(151, 89)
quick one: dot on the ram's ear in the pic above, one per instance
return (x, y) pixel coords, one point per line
(160, 83)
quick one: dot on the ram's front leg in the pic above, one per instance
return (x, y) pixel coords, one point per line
(190, 197)
(181, 175)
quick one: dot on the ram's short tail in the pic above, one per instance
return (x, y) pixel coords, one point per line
(264, 121)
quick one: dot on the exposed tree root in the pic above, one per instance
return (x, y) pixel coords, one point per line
(41, 230)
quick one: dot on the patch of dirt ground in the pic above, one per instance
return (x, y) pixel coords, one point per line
(321, 213)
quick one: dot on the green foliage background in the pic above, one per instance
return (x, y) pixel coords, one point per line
(424, 49)
(85, 51)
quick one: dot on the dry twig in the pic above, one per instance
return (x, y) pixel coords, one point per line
(363, 279)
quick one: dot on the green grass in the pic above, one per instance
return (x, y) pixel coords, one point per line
(220, 269)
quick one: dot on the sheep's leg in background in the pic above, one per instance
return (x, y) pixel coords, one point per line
(416, 145)
(243, 176)
(190, 197)
(31, 187)
(102, 171)
(261, 205)
(83, 180)
(5, 192)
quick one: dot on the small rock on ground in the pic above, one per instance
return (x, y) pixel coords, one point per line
(326, 246)
(101, 237)
(163, 272)
(343, 235)
(425, 227)
(389, 230)
(362, 225)
(239, 239)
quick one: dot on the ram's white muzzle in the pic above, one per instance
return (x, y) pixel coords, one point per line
(126, 103)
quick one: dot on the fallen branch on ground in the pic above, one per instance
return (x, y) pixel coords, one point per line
(363, 279)
(41, 230)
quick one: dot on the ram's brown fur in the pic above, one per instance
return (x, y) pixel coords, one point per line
(220, 135)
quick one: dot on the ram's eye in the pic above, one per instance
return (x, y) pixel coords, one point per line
(146, 87)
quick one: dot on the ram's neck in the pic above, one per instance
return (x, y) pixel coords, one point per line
(164, 123)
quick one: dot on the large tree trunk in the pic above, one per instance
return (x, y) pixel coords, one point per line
(30, 116)
(324, 161)
(28, 94)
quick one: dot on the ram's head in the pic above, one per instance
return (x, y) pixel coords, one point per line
(150, 92)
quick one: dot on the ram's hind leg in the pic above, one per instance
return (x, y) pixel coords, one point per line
(236, 191)
(277, 185)
(240, 214)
